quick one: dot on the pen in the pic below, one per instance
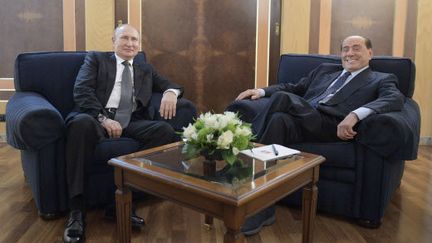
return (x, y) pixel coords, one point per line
(274, 150)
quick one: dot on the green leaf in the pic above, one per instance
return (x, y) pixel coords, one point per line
(190, 150)
(228, 156)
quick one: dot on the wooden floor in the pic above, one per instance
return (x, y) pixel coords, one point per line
(407, 219)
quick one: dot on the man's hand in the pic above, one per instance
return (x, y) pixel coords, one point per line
(345, 128)
(112, 127)
(168, 105)
(254, 94)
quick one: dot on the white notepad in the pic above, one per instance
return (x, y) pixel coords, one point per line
(266, 153)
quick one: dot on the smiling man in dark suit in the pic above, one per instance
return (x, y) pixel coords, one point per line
(325, 106)
(111, 95)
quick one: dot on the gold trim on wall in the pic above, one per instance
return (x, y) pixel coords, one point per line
(262, 43)
(69, 33)
(325, 27)
(135, 15)
(399, 27)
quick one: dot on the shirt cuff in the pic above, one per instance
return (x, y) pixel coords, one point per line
(363, 112)
(261, 92)
(175, 91)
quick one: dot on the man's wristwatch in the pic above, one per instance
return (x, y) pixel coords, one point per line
(101, 118)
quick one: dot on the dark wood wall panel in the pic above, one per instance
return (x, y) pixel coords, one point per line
(80, 25)
(206, 46)
(121, 12)
(411, 29)
(231, 31)
(28, 25)
(168, 27)
(370, 18)
(275, 37)
(314, 26)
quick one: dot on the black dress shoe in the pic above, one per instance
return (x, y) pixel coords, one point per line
(75, 228)
(369, 223)
(254, 223)
(136, 221)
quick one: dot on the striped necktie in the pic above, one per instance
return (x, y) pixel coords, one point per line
(124, 110)
(330, 90)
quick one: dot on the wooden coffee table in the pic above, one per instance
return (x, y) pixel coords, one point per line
(164, 172)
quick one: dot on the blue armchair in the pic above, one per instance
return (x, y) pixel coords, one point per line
(35, 125)
(359, 177)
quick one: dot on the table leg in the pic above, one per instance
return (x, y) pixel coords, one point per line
(310, 194)
(208, 222)
(209, 169)
(124, 211)
(233, 235)
(233, 219)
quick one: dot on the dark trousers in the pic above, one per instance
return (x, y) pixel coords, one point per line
(83, 134)
(289, 119)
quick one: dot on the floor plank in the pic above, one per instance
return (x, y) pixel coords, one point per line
(408, 219)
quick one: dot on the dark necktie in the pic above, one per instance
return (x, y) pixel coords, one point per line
(124, 110)
(331, 90)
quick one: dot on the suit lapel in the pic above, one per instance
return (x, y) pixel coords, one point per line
(112, 70)
(138, 77)
(328, 79)
(325, 81)
(357, 82)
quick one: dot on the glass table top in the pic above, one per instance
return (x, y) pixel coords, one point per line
(246, 170)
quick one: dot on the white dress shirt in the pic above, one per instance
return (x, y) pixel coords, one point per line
(114, 98)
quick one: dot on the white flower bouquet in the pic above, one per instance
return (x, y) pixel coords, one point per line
(217, 136)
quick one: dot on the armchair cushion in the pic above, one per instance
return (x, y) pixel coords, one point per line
(393, 135)
(184, 107)
(248, 109)
(32, 122)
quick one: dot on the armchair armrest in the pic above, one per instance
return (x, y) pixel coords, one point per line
(393, 135)
(248, 109)
(185, 113)
(32, 122)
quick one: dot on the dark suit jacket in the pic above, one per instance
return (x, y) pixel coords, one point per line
(375, 90)
(96, 79)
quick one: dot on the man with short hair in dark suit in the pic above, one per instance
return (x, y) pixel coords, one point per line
(111, 94)
(325, 106)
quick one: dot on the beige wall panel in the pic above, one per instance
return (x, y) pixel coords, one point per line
(423, 89)
(99, 22)
(295, 26)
